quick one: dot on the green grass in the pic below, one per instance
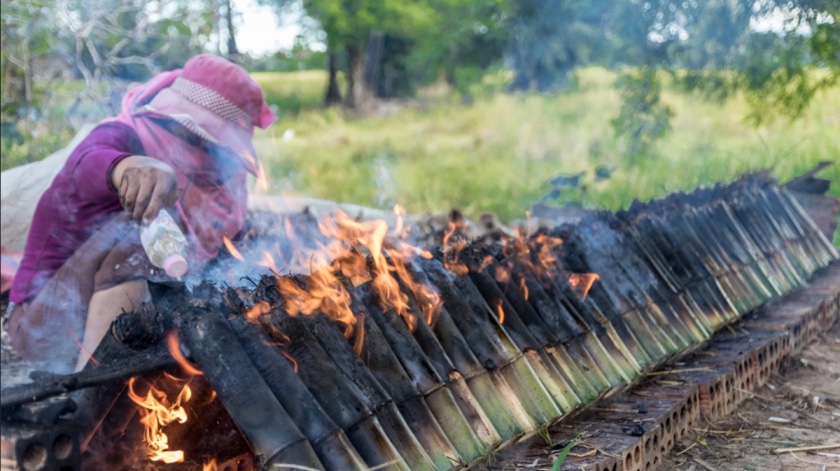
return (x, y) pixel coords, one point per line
(497, 154)
(291, 92)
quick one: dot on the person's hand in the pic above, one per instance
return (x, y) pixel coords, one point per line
(145, 186)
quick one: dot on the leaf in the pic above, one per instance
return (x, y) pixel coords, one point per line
(561, 458)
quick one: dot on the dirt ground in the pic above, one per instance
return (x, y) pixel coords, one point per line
(798, 407)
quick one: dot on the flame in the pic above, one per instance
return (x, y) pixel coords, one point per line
(524, 287)
(452, 250)
(82, 350)
(426, 296)
(267, 261)
(291, 359)
(173, 343)
(582, 282)
(546, 260)
(500, 311)
(233, 251)
(210, 466)
(254, 314)
(157, 412)
(502, 274)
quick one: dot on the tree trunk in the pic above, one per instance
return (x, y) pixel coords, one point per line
(232, 50)
(359, 97)
(333, 96)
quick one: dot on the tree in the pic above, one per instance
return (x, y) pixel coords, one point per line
(765, 50)
(350, 25)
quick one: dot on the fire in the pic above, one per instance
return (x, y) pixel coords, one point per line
(173, 343)
(210, 466)
(524, 288)
(582, 282)
(545, 245)
(156, 412)
(502, 274)
(500, 311)
(452, 250)
(230, 248)
(253, 314)
(262, 181)
(267, 261)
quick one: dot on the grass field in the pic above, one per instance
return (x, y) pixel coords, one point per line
(497, 154)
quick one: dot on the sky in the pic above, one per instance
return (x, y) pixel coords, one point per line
(259, 30)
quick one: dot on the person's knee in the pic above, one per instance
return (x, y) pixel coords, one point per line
(107, 304)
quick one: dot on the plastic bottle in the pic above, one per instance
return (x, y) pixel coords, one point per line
(165, 245)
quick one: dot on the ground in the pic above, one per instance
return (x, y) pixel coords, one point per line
(798, 407)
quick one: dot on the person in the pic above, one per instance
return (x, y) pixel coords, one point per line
(182, 141)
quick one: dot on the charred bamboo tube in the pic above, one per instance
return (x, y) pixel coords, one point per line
(788, 233)
(522, 364)
(497, 400)
(349, 406)
(558, 314)
(567, 329)
(274, 438)
(329, 441)
(743, 251)
(382, 372)
(677, 250)
(580, 389)
(697, 233)
(750, 257)
(488, 352)
(437, 357)
(717, 266)
(723, 213)
(619, 292)
(765, 235)
(814, 242)
(421, 373)
(560, 391)
(660, 266)
(130, 331)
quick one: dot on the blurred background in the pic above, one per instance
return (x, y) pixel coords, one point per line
(482, 105)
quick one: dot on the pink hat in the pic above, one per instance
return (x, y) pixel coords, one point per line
(218, 101)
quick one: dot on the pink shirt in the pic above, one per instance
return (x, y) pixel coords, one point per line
(79, 201)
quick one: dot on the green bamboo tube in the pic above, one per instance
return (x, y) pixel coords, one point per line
(572, 373)
(475, 414)
(500, 403)
(454, 424)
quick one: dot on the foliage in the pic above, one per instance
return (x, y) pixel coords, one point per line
(498, 154)
(643, 118)
(18, 152)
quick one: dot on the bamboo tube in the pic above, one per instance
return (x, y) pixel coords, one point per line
(272, 435)
(382, 370)
(437, 356)
(329, 441)
(723, 214)
(437, 395)
(560, 392)
(521, 320)
(350, 407)
(538, 400)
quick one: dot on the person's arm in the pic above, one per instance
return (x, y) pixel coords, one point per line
(145, 185)
(109, 166)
